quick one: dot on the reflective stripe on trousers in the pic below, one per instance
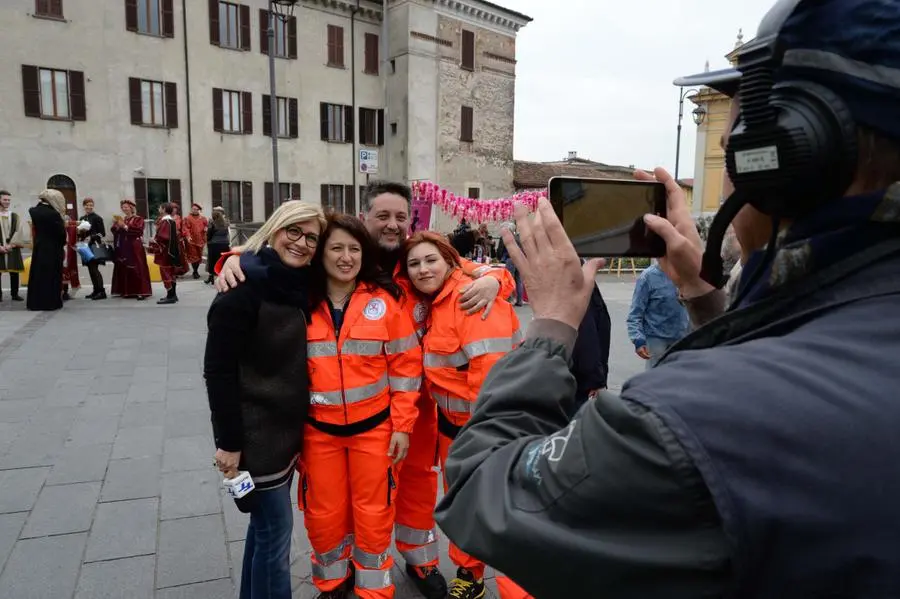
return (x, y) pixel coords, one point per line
(491, 345)
(426, 539)
(373, 579)
(452, 404)
(329, 565)
(351, 395)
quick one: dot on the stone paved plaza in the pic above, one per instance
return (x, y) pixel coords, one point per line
(107, 488)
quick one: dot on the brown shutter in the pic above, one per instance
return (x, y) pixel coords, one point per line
(31, 90)
(293, 119)
(134, 99)
(362, 123)
(323, 118)
(140, 197)
(295, 191)
(292, 37)
(247, 109)
(56, 8)
(263, 31)
(245, 27)
(171, 105)
(348, 123)
(466, 124)
(468, 50)
(330, 45)
(247, 201)
(131, 15)
(349, 200)
(217, 109)
(339, 46)
(78, 106)
(381, 126)
(168, 18)
(267, 115)
(214, 22)
(371, 60)
(268, 199)
(175, 193)
(216, 193)
(324, 198)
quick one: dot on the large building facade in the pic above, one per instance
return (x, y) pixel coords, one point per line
(168, 100)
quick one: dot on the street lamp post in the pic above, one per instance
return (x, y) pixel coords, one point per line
(278, 9)
(699, 114)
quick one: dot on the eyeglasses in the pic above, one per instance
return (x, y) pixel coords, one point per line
(296, 233)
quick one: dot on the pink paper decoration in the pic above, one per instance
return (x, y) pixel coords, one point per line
(475, 210)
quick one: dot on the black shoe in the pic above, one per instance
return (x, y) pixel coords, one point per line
(342, 592)
(168, 300)
(141, 298)
(464, 586)
(17, 298)
(91, 296)
(196, 275)
(100, 295)
(66, 297)
(429, 581)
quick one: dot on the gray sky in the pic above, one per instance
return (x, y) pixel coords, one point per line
(595, 76)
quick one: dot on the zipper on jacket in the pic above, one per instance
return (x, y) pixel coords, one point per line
(391, 485)
(337, 334)
(305, 486)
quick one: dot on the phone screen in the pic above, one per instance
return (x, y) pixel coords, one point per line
(605, 217)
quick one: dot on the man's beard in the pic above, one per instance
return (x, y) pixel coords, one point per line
(388, 258)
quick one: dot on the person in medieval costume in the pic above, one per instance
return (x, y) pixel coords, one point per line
(10, 246)
(181, 268)
(70, 278)
(167, 253)
(49, 235)
(131, 275)
(193, 230)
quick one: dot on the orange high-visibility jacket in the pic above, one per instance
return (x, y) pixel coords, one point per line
(374, 364)
(461, 349)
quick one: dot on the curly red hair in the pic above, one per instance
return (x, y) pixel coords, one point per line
(447, 251)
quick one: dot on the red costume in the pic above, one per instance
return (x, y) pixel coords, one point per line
(70, 266)
(181, 267)
(131, 276)
(168, 254)
(194, 232)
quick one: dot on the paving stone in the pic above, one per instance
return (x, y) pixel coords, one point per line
(191, 493)
(193, 423)
(68, 396)
(235, 521)
(191, 550)
(62, 509)
(113, 384)
(76, 378)
(101, 406)
(123, 529)
(152, 359)
(93, 431)
(129, 578)
(119, 368)
(121, 355)
(10, 527)
(8, 433)
(186, 380)
(138, 442)
(143, 414)
(16, 410)
(21, 488)
(147, 392)
(150, 374)
(185, 359)
(236, 555)
(44, 568)
(131, 479)
(215, 589)
(179, 400)
(188, 453)
(33, 449)
(80, 465)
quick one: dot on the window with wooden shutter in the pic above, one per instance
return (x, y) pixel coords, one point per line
(295, 191)
(474, 193)
(168, 18)
(293, 119)
(31, 91)
(175, 193)
(380, 126)
(140, 197)
(337, 122)
(368, 126)
(171, 93)
(214, 22)
(49, 8)
(348, 124)
(468, 50)
(76, 96)
(466, 126)
(267, 115)
(292, 37)
(371, 54)
(150, 17)
(247, 108)
(216, 195)
(349, 206)
(218, 116)
(131, 15)
(134, 101)
(323, 198)
(247, 201)
(245, 27)
(232, 25)
(335, 46)
(263, 31)
(268, 199)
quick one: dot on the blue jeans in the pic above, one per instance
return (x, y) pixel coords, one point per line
(657, 347)
(519, 287)
(266, 572)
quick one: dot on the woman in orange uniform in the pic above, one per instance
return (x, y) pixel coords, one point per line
(365, 369)
(459, 351)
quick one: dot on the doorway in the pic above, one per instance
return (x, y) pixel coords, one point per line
(66, 186)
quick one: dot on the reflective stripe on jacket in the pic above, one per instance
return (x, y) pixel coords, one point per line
(459, 350)
(374, 363)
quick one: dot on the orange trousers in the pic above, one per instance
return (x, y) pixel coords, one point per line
(510, 590)
(347, 493)
(457, 555)
(414, 530)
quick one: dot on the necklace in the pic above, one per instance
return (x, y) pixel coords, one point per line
(341, 300)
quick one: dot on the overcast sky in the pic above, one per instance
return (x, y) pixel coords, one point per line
(595, 76)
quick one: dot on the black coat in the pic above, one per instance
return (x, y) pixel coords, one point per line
(590, 356)
(45, 276)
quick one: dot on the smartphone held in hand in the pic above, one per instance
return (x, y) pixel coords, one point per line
(605, 217)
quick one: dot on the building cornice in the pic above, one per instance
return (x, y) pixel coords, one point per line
(366, 8)
(483, 14)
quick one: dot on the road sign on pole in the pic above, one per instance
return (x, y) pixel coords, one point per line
(368, 162)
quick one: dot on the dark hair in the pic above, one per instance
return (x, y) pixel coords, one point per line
(83, 202)
(369, 272)
(3, 192)
(376, 188)
(169, 208)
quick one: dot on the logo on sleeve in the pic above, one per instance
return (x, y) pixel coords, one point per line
(420, 312)
(375, 309)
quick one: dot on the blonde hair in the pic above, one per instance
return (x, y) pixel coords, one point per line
(55, 199)
(289, 213)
